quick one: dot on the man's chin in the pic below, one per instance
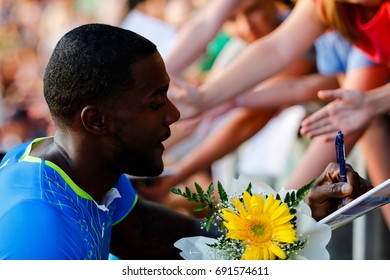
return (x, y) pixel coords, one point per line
(149, 172)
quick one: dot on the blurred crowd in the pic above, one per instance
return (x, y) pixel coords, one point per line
(30, 28)
(28, 31)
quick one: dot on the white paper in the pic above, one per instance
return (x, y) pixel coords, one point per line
(373, 199)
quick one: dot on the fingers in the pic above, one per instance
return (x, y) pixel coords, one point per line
(320, 122)
(328, 184)
(327, 127)
(331, 94)
(316, 120)
(317, 124)
(177, 82)
(329, 176)
(359, 184)
(321, 128)
(187, 99)
(189, 123)
(325, 196)
(188, 90)
(323, 200)
(321, 194)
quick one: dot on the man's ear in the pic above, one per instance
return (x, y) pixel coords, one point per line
(94, 119)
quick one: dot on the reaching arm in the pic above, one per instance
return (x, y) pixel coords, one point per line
(287, 92)
(194, 36)
(350, 111)
(241, 125)
(265, 57)
(262, 59)
(245, 123)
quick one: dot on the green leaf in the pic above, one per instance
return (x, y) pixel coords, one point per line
(287, 198)
(188, 192)
(176, 191)
(293, 197)
(200, 207)
(302, 192)
(200, 192)
(207, 223)
(249, 188)
(210, 190)
(222, 193)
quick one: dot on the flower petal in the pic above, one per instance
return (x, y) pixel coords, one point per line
(277, 251)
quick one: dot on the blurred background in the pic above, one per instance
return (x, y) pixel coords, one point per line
(29, 30)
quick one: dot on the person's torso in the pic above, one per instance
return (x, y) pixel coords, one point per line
(29, 178)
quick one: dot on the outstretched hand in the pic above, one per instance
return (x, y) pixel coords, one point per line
(186, 98)
(347, 113)
(326, 195)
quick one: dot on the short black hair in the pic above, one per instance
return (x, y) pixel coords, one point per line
(91, 62)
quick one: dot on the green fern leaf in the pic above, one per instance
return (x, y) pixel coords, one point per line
(222, 193)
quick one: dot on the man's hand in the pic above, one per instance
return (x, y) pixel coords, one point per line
(325, 197)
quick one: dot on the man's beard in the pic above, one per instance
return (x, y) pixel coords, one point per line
(136, 162)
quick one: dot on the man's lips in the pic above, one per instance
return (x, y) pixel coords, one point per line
(166, 136)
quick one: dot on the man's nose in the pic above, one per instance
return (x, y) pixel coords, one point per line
(173, 114)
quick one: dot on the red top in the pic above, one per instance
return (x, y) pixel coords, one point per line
(374, 38)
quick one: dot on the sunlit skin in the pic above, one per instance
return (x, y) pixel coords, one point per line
(366, 3)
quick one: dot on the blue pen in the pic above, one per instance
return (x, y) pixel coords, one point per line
(340, 157)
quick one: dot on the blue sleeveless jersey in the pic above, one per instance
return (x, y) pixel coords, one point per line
(45, 215)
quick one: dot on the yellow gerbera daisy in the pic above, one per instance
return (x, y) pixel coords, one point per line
(263, 226)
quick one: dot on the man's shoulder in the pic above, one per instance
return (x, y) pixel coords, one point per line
(51, 236)
(14, 154)
(25, 178)
(18, 180)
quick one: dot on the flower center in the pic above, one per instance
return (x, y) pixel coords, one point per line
(258, 230)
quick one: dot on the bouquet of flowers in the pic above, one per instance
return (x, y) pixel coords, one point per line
(256, 223)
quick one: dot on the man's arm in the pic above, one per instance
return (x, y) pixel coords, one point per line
(150, 231)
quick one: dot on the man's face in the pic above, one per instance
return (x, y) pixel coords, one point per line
(141, 120)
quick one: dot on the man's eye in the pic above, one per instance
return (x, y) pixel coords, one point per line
(157, 105)
(158, 102)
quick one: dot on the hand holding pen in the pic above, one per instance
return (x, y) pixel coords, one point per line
(340, 157)
(324, 197)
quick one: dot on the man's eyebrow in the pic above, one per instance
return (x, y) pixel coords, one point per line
(161, 89)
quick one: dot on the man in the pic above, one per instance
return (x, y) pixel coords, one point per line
(67, 196)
